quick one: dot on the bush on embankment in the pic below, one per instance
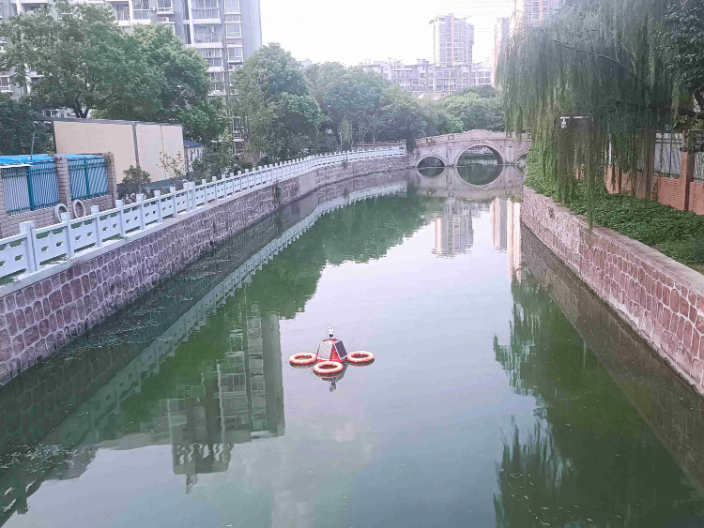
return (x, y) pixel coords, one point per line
(677, 234)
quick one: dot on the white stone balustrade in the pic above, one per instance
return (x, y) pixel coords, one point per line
(35, 249)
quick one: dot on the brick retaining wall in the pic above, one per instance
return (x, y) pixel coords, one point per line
(662, 300)
(48, 309)
(672, 410)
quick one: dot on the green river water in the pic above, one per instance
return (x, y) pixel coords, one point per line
(503, 393)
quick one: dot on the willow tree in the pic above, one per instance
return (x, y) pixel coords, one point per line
(593, 86)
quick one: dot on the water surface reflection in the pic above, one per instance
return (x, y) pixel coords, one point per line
(501, 395)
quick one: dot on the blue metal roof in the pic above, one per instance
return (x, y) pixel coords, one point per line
(191, 144)
(38, 158)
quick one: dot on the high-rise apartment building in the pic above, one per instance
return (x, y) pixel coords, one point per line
(528, 13)
(225, 32)
(501, 36)
(482, 74)
(422, 77)
(453, 39)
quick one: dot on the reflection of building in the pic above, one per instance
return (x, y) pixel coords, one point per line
(240, 400)
(453, 230)
(498, 223)
(513, 239)
(506, 231)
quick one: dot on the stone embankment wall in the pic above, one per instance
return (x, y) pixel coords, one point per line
(662, 300)
(670, 407)
(50, 308)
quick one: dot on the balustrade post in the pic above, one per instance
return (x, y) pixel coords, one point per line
(94, 212)
(119, 205)
(159, 214)
(140, 203)
(66, 221)
(172, 197)
(28, 229)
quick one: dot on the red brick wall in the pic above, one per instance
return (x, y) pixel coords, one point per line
(696, 197)
(662, 300)
(671, 191)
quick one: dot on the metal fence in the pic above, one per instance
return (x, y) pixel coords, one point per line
(699, 167)
(668, 152)
(88, 177)
(30, 187)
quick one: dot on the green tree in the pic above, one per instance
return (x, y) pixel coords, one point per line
(475, 111)
(135, 179)
(83, 60)
(402, 116)
(622, 68)
(179, 87)
(17, 123)
(273, 103)
(685, 30)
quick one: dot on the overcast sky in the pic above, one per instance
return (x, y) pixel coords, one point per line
(353, 31)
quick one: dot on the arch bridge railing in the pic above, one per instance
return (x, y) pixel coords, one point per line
(35, 249)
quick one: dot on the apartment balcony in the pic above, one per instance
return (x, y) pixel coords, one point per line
(34, 2)
(207, 40)
(142, 16)
(206, 16)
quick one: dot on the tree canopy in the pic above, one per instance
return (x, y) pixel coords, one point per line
(178, 85)
(83, 60)
(273, 102)
(615, 70)
(86, 63)
(17, 118)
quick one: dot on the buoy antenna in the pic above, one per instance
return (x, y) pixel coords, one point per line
(330, 331)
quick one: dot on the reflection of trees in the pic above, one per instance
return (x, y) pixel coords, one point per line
(591, 459)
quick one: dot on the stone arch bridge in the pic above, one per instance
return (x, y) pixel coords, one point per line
(507, 148)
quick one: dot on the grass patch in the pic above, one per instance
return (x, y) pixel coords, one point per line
(677, 234)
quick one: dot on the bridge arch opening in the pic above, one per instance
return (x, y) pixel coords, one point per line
(521, 162)
(479, 165)
(480, 155)
(431, 166)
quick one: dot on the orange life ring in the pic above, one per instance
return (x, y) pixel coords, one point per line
(326, 368)
(302, 358)
(360, 357)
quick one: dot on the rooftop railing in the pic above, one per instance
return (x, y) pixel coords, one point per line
(36, 249)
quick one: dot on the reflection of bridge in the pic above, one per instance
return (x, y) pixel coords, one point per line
(449, 148)
(449, 183)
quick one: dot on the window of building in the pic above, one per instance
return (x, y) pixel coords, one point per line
(208, 33)
(122, 11)
(165, 6)
(213, 57)
(5, 84)
(235, 54)
(233, 30)
(140, 8)
(204, 9)
(232, 6)
(217, 82)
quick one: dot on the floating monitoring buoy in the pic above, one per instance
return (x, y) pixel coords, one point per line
(330, 359)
